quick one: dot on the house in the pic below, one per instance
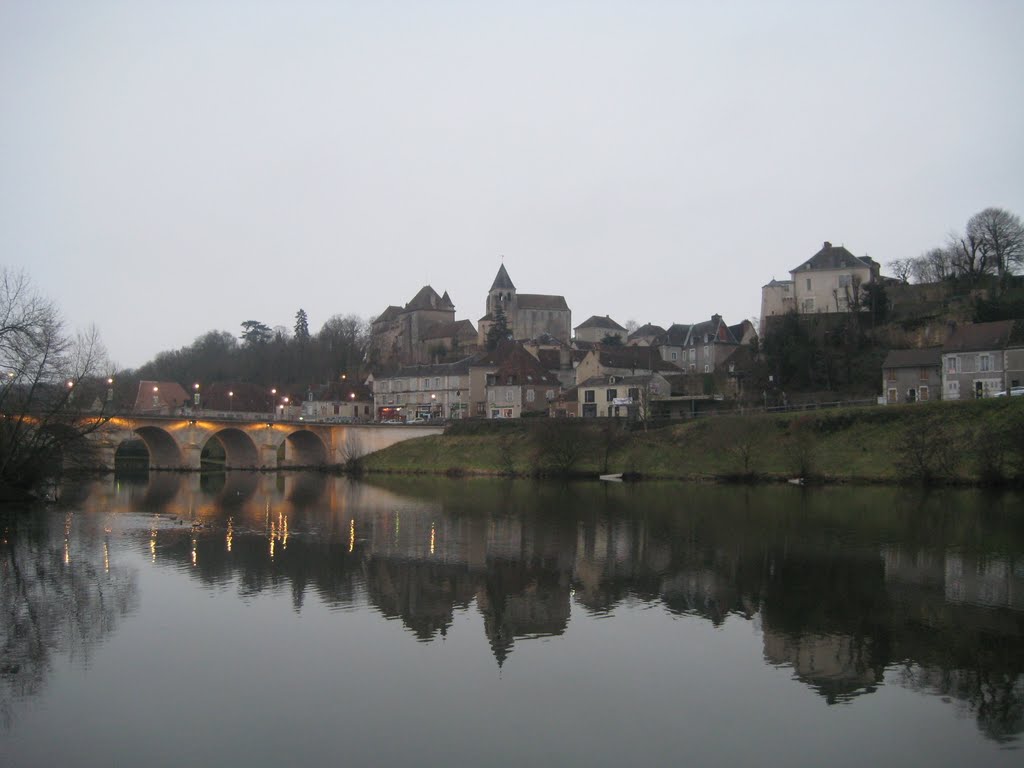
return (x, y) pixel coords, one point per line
(160, 398)
(981, 359)
(519, 384)
(707, 346)
(829, 281)
(912, 375)
(617, 396)
(565, 404)
(528, 315)
(672, 346)
(338, 402)
(622, 361)
(596, 330)
(647, 335)
(428, 391)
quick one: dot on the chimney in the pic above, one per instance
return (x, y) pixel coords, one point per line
(827, 246)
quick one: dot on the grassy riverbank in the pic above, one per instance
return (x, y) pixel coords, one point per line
(962, 442)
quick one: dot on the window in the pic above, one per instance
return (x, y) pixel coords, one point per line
(588, 396)
(693, 355)
(984, 363)
(922, 392)
(922, 375)
(808, 283)
(508, 395)
(705, 351)
(610, 394)
(426, 383)
(951, 364)
(549, 395)
(968, 363)
(693, 367)
(675, 355)
(808, 304)
(490, 395)
(707, 368)
(890, 374)
(437, 382)
(530, 395)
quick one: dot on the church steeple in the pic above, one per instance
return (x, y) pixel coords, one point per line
(502, 282)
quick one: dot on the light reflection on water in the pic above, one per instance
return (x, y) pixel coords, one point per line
(851, 594)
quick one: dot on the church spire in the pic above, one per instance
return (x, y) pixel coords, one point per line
(502, 282)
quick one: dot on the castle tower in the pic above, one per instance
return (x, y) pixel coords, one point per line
(502, 293)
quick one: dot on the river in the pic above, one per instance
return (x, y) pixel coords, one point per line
(300, 619)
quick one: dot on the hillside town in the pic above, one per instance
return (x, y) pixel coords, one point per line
(835, 330)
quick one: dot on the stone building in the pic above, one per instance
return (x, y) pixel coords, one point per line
(423, 331)
(528, 315)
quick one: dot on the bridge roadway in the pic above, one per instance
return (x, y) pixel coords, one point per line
(176, 442)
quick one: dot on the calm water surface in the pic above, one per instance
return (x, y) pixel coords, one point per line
(302, 619)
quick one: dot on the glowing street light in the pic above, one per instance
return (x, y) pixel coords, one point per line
(231, 401)
(195, 396)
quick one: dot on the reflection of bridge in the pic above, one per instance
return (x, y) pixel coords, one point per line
(178, 443)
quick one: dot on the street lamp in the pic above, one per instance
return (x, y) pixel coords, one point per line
(110, 389)
(273, 399)
(195, 397)
(231, 401)
(156, 397)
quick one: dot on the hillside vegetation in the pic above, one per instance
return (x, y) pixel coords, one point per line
(980, 442)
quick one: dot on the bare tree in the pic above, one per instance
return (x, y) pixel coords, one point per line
(1000, 235)
(54, 386)
(902, 269)
(968, 254)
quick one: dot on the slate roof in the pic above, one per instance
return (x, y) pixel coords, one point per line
(913, 358)
(644, 358)
(976, 337)
(832, 257)
(457, 329)
(773, 283)
(522, 367)
(388, 314)
(677, 334)
(649, 330)
(541, 301)
(596, 321)
(715, 329)
(427, 298)
(502, 281)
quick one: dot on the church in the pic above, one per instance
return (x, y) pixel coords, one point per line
(528, 315)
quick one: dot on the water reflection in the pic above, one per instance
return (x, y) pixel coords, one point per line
(851, 588)
(60, 595)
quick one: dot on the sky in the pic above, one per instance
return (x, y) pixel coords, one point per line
(171, 168)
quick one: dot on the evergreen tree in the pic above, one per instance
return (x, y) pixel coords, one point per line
(498, 330)
(301, 327)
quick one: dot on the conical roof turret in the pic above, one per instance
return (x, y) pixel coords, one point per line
(502, 282)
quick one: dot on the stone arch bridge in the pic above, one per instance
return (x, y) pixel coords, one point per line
(178, 442)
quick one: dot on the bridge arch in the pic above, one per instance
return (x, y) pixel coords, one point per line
(240, 452)
(164, 451)
(303, 448)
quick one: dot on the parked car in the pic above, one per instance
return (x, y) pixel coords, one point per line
(1013, 392)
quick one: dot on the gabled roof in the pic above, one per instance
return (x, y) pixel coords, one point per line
(388, 314)
(502, 282)
(914, 358)
(596, 321)
(715, 329)
(648, 330)
(741, 330)
(541, 301)
(644, 358)
(166, 393)
(457, 329)
(677, 334)
(518, 364)
(977, 337)
(427, 298)
(832, 257)
(773, 283)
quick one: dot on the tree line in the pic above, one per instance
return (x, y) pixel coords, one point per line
(991, 245)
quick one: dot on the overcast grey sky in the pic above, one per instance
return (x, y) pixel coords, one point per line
(168, 168)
